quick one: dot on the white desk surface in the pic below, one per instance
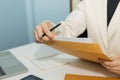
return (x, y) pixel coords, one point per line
(80, 67)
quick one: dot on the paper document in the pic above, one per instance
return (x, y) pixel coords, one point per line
(52, 61)
(82, 40)
(81, 77)
(79, 47)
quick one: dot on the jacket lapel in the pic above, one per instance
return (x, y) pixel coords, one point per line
(101, 11)
(115, 22)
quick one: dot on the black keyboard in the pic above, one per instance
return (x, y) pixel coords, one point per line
(2, 73)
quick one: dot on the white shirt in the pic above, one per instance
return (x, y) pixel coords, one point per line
(92, 15)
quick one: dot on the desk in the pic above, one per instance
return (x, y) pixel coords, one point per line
(76, 67)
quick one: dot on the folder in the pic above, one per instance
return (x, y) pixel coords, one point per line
(87, 51)
(81, 77)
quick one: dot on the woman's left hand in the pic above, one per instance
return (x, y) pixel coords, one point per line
(112, 66)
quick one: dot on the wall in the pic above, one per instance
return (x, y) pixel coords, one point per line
(13, 24)
(19, 17)
(55, 10)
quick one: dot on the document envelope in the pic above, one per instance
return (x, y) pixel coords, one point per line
(88, 51)
(80, 77)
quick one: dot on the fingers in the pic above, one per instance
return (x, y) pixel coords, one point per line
(41, 29)
(46, 30)
(113, 69)
(36, 37)
(110, 63)
(115, 57)
(115, 61)
(113, 66)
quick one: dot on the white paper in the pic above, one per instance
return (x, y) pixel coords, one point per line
(45, 51)
(52, 62)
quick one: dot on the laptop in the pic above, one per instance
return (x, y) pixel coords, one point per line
(10, 65)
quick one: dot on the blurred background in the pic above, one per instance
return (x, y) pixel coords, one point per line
(18, 19)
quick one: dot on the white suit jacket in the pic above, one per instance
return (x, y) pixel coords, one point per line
(92, 14)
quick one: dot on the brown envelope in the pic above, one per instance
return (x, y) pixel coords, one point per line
(88, 51)
(80, 77)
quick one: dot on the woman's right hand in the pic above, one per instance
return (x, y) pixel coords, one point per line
(43, 28)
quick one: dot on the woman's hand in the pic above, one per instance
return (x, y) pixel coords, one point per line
(113, 66)
(42, 28)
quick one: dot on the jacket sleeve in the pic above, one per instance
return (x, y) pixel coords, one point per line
(75, 23)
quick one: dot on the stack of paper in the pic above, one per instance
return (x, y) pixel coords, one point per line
(52, 61)
(79, 47)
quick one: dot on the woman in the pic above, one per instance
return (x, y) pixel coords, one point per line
(100, 18)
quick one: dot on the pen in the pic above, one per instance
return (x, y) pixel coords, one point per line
(51, 29)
